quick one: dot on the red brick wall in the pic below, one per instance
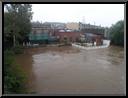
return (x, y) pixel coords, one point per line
(71, 36)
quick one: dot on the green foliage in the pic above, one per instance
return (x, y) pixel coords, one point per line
(17, 21)
(14, 77)
(18, 49)
(17, 25)
(117, 33)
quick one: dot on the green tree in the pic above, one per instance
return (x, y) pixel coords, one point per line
(17, 22)
(17, 25)
(116, 32)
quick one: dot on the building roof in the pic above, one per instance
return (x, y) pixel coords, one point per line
(53, 23)
(90, 26)
(40, 25)
(37, 24)
(91, 34)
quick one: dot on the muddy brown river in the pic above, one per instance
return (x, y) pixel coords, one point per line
(69, 70)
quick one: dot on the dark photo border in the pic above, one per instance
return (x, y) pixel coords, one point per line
(57, 2)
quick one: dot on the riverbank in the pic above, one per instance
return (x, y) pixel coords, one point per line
(14, 76)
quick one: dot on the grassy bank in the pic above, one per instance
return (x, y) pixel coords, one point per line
(14, 76)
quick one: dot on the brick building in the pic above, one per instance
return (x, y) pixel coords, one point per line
(91, 38)
(70, 36)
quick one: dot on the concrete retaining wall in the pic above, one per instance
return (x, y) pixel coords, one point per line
(106, 43)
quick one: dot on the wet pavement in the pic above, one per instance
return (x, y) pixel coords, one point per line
(69, 70)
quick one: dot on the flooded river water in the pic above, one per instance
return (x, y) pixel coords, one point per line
(68, 70)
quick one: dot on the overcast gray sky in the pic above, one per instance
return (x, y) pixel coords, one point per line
(101, 14)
